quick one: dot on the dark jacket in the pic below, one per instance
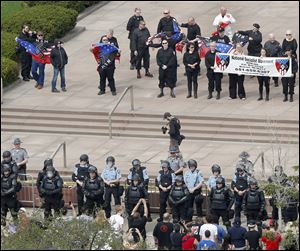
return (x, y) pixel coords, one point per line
(166, 57)
(260, 195)
(218, 39)
(192, 30)
(254, 45)
(58, 57)
(166, 25)
(140, 38)
(113, 41)
(132, 24)
(290, 45)
(58, 186)
(28, 38)
(273, 49)
(210, 59)
(191, 59)
(91, 192)
(174, 128)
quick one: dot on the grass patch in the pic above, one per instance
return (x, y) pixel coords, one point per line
(10, 7)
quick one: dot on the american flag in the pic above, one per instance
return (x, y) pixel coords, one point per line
(221, 26)
(224, 48)
(239, 38)
(103, 52)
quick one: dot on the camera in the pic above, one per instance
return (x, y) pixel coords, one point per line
(164, 129)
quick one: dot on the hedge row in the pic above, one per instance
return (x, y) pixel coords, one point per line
(9, 71)
(8, 45)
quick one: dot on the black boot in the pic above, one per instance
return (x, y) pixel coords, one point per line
(172, 94)
(209, 95)
(260, 96)
(189, 95)
(196, 91)
(285, 98)
(291, 98)
(218, 95)
(139, 74)
(148, 74)
(161, 93)
(267, 97)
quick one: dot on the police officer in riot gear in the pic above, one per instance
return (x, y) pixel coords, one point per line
(239, 185)
(254, 202)
(220, 200)
(216, 171)
(7, 159)
(178, 199)
(140, 171)
(164, 182)
(80, 173)
(8, 194)
(111, 176)
(51, 190)
(175, 160)
(193, 179)
(93, 189)
(249, 168)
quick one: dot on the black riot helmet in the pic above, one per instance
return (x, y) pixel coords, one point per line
(220, 180)
(110, 159)
(84, 157)
(92, 169)
(240, 167)
(6, 168)
(136, 177)
(50, 169)
(48, 162)
(165, 164)
(136, 163)
(6, 154)
(252, 181)
(216, 168)
(50, 172)
(179, 178)
(192, 162)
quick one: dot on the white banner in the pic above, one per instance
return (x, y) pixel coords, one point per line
(254, 66)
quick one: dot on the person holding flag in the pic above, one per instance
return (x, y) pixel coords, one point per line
(221, 37)
(224, 20)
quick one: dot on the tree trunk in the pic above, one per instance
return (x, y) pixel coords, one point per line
(280, 219)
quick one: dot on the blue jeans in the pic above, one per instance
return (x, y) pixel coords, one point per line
(38, 77)
(62, 77)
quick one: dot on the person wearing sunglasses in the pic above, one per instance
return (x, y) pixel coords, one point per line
(290, 43)
(167, 62)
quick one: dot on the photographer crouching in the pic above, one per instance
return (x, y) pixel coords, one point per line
(173, 128)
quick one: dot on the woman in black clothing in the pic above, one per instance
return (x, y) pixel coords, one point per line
(290, 43)
(263, 80)
(191, 60)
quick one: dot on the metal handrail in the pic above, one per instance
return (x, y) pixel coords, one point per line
(261, 155)
(116, 105)
(63, 144)
(1, 91)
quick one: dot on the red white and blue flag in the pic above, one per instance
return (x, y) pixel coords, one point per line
(204, 44)
(105, 53)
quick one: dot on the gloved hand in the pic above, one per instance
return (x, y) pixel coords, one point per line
(164, 67)
(135, 53)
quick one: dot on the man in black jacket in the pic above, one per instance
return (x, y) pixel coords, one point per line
(132, 24)
(173, 126)
(167, 62)
(214, 78)
(221, 37)
(141, 48)
(255, 39)
(59, 59)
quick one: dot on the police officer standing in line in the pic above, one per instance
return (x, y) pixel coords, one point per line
(249, 168)
(140, 171)
(216, 171)
(220, 200)
(51, 190)
(20, 156)
(111, 176)
(79, 175)
(164, 182)
(132, 24)
(7, 159)
(175, 160)
(93, 189)
(193, 179)
(214, 78)
(239, 185)
(178, 198)
(254, 202)
(8, 194)
(41, 175)
(141, 49)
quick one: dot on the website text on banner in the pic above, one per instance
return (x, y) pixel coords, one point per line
(253, 66)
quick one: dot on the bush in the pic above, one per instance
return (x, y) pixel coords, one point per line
(8, 45)
(9, 71)
(54, 21)
(75, 5)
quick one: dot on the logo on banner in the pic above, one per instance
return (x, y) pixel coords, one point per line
(282, 66)
(222, 61)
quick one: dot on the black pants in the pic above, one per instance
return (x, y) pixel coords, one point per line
(143, 54)
(132, 58)
(214, 81)
(236, 82)
(26, 61)
(9, 203)
(192, 81)
(264, 81)
(221, 213)
(23, 172)
(163, 198)
(92, 204)
(167, 77)
(274, 209)
(80, 199)
(288, 85)
(107, 199)
(238, 205)
(275, 80)
(108, 74)
(52, 202)
(198, 199)
(253, 215)
(179, 211)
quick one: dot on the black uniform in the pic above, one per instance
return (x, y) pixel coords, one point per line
(241, 184)
(192, 32)
(273, 50)
(225, 39)
(254, 46)
(140, 37)
(132, 24)
(174, 130)
(13, 166)
(168, 76)
(254, 204)
(221, 201)
(93, 189)
(178, 202)
(51, 190)
(166, 25)
(9, 197)
(192, 74)
(80, 173)
(288, 83)
(140, 172)
(290, 45)
(236, 80)
(132, 196)
(214, 79)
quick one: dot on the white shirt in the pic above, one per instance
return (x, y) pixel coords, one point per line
(213, 231)
(227, 18)
(116, 221)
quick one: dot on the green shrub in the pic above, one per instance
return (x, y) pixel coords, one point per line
(75, 5)
(8, 45)
(54, 21)
(9, 71)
